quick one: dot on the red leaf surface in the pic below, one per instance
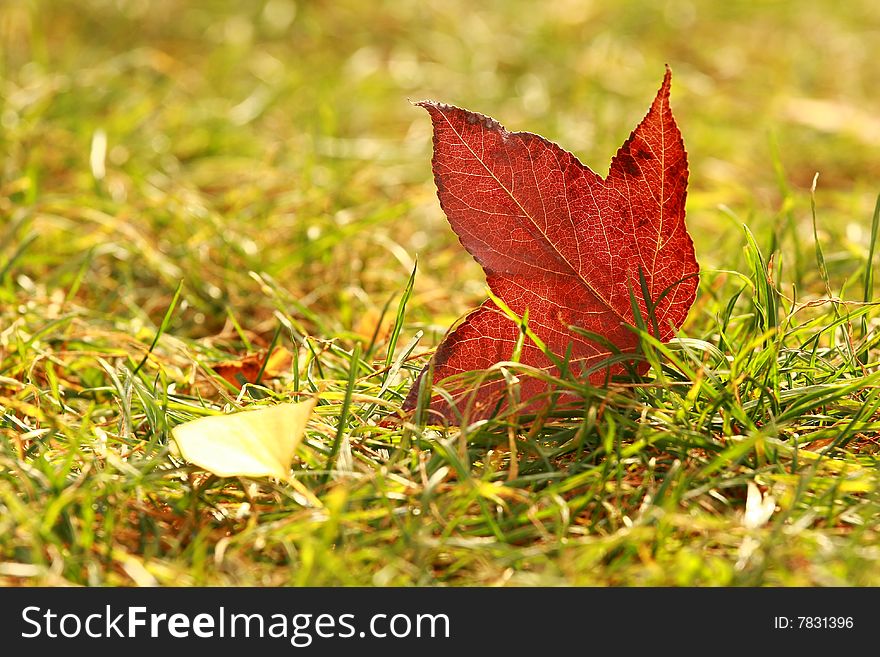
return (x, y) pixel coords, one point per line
(558, 241)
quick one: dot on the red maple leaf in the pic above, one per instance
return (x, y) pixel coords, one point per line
(562, 245)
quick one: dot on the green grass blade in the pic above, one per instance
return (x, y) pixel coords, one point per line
(166, 320)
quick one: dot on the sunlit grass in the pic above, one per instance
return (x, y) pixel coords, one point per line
(263, 159)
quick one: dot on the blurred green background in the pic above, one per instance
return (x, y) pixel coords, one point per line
(148, 141)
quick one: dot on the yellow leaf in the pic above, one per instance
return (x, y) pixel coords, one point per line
(257, 443)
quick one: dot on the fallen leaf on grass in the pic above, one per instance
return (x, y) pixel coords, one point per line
(258, 443)
(561, 245)
(247, 368)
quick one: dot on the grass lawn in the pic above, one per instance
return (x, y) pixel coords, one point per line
(185, 184)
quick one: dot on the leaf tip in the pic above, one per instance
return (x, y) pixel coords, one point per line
(667, 82)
